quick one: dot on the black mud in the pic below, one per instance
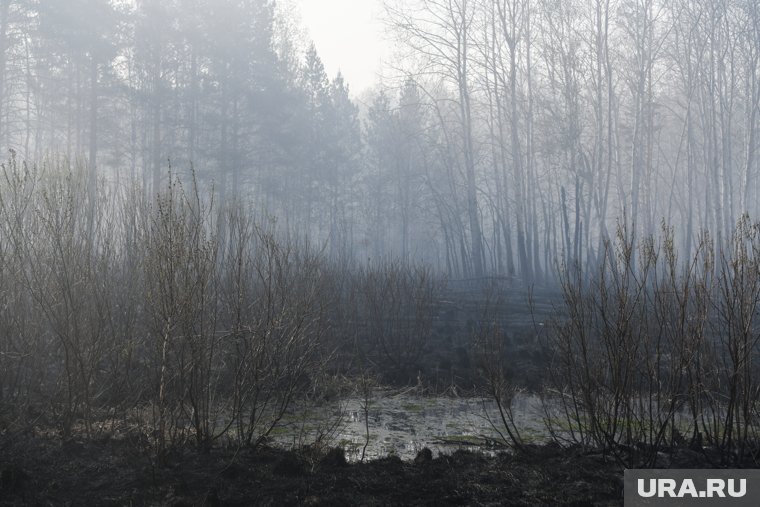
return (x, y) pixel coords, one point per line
(46, 471)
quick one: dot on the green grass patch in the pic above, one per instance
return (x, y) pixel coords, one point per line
(412, 407)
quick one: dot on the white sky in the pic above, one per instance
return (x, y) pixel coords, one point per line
(349, 37)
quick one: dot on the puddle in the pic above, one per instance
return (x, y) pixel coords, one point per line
(402, 424)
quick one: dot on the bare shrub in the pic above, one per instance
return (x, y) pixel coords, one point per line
(492, 363)
(276, 308)
(113, 304)
(63, 254)
(182, 301)
(22, 348)
(652, 346)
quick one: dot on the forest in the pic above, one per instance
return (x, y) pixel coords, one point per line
(217, 262)
(517, 134)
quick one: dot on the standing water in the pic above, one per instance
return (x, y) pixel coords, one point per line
(403, 424)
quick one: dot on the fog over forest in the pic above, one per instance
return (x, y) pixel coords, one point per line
(225, 274)
(512, 137)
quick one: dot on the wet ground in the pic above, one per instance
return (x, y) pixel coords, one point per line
(421, 451)
(402, 423)
(47, 471)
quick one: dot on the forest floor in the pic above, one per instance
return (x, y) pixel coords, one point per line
(36, 470)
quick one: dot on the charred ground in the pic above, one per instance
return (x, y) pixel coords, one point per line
(49, 471)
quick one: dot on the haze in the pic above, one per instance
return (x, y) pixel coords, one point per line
(349, 36)
(212, 256)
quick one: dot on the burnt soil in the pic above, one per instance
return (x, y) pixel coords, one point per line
(36, 470)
